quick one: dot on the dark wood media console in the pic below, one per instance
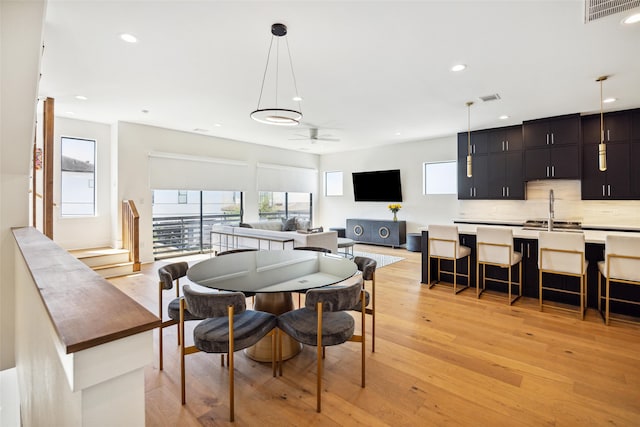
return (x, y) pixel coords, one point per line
(377, 231)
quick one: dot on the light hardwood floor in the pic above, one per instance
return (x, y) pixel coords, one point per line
(441, 359)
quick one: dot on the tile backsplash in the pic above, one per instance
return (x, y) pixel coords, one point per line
(568, 206)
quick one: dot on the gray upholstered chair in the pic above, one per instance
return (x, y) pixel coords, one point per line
(314, 249)
(227, 327)
(621, 265)
(562, 253)
(323, 322)
(235, 251)
(169, 275)
(368, 268)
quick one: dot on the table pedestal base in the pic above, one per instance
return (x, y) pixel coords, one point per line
(276, 303)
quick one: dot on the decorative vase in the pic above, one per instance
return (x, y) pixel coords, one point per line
(395, 218)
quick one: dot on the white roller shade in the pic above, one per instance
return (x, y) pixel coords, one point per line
(170, 171)
(286, 178)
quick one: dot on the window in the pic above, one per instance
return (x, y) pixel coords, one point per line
(183, 219)
(277, 205)
(333, 183)
(440, 178)
(78, 176)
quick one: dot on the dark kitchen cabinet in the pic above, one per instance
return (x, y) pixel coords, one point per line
(529, 250)
(617, 127)
(561, 130)
(479, 141)
(559, 162)
(635, 170)
(505, 175)
(615, 182)
(552, 148)
(476, 187)
(504, 139)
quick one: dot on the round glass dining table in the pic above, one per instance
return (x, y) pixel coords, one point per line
(272, 275)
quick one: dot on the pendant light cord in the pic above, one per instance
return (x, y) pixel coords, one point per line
(264, 75)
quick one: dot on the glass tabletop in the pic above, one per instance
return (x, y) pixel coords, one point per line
(272, 271)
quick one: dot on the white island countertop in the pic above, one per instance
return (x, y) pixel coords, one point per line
(590, 236)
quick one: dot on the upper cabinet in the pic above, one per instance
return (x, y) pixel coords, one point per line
(615, 182)
(496, 164)
(552, 148)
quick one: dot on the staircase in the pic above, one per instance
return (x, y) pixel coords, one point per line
(107, 262)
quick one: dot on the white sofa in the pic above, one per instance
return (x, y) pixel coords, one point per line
(266, 229)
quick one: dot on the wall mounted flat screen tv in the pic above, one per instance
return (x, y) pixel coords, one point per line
(377, 186)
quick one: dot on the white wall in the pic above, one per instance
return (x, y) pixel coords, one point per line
(135, 142)
(417, 209)
(84, 232)
(21, 27)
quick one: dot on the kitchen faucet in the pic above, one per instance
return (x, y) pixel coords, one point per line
(551, 211)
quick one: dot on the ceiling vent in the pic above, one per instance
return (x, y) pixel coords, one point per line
(596, 9)
(487, 98)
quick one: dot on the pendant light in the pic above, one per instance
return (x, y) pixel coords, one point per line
(277, 115)
(602, 148)
(469, 162)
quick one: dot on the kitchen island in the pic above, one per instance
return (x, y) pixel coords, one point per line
(526, 242)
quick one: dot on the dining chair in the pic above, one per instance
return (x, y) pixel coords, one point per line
(367, 266)
(227, 327)
(621, 265)
(170, 275)
(494, 246)
(235, 251)
(562, 253)
(443, 243)
(323, 321)
(314, 249)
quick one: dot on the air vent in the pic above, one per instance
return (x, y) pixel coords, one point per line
(488, 98)
(596, 9)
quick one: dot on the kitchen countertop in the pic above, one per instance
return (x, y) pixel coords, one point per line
(590, 235)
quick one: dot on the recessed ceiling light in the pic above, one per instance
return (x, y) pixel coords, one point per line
(398, 133)
(81, 97)
(633, 19)
(609, 100)
(71, 113)
(217, 125)
(297, 98)
(458, 67)
(503, 117)
(129, 38)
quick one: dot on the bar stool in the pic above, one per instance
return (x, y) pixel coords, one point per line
(495, 247)
(621, 265)
(563, 253)
(444, 244)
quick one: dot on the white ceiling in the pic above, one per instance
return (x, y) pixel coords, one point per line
(367, 70)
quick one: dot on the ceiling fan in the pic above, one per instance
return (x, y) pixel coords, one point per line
(313, 137)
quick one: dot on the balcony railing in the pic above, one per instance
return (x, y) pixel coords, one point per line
(180, 235)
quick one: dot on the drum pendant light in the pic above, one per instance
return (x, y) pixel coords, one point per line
(469, 161)
(276, 115)
(602, 148)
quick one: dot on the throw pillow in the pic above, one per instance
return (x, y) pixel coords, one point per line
(289, 224)
(302, 224)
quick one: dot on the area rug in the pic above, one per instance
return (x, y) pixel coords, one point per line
(381, 260)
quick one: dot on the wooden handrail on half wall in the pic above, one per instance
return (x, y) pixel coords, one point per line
(131, 232)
